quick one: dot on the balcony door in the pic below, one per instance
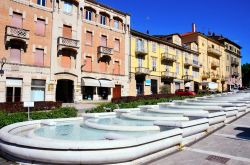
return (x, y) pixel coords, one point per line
(17, 20)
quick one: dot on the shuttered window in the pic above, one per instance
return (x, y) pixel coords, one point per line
(89, 38)
(104, 41)
(88, 64)
(15, 54)
(39, 57)
(40, 27)
(67, 31)
(116, 68)
(103, 66)
(117, 45)
(65, 60)
(17, 20)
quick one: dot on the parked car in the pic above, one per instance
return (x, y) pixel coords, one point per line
(185, 92)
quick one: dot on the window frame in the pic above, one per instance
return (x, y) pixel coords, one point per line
(116, 24)
(41, 3)
(103, 20)
(88, 15)
(66, 7)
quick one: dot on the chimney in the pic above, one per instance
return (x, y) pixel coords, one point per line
(193, 27)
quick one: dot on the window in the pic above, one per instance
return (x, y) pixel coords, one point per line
(227, 68)
(153, 47)
(39, 57)
(89, 38)
(140, 61)
(67, 8)
(228, 57)
(117, 45)
(195, 74)
(116, 68)
(212, 46)
(116, 24)
(38, 90)
(13, 89)
(88, 15)
(40, 27)
(15, 54)
(67, 31)
(177, 53)
(104, 41)
(88, 64)
(140, 45)
(17, 20)
(103, 19)
(103, 66)
(154, 63)
(41, 2)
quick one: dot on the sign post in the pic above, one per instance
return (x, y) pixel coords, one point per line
(28, 104)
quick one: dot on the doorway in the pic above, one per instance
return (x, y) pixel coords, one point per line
(117, 91)
(64, 91)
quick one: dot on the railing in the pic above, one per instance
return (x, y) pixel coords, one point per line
(235, 63)
(215, 64)
(140, 50)
(17, 32)
(188, 77)
(168, 57)
(105, 50)
(214, 51)
(215, 76)
(68, 42)
(167, 74)
(142, 70)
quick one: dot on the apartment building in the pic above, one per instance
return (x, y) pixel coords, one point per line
(212, 59)
(232, 67)
(25, 36)
(155, 62)
(63, 50)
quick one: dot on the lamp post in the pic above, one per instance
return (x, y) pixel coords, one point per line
(3, 61)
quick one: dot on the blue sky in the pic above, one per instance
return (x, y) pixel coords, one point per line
(231, 18)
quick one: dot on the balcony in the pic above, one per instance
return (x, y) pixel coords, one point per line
(215, 64)
(235, 74)
(104, 51)
(142, 71)
(16, 33)
(235, 63)
(168, 75)
(205, 75)
(214, 51)
(188, 78)
(188, 62)
(68, 43)
(168, 57)
(196, 64)
(142, 51)
(215, 77)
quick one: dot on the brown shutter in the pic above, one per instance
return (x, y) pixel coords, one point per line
(40, 27)
(65, 60)
(89, 38)
(104, 41)
(88, 66)
(39, 57)
(67, 31)
(15, 55)
(117, 45)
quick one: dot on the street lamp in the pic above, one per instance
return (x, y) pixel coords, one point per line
(3, 61)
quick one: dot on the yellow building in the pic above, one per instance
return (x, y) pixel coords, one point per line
(212, 58)
(155, 62)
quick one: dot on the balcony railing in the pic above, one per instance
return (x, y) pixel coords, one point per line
(215, 76)
(235, 74)
(167, 74)
(215, 64)
(205, 75)
(188, 62)
(142, 70)
(17, 32)
(168, 57)
(214, 51)
(141, 50)
(67, 42)
(235, 63)
(105, 51)
(188, 77)
(196, 64)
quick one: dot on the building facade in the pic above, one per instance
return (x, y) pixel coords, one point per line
(156, 62)
(63, 50)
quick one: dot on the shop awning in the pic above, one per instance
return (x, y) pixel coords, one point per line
(107, 83)
(90, 82)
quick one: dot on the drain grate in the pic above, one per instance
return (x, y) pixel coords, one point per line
(217, 159)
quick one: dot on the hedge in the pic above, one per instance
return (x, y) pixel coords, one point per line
(135, 104)
(38, 106)
(10, 118)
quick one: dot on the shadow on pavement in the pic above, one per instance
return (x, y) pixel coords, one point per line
(245, 134)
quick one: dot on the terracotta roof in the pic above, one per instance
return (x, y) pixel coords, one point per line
(186, 34)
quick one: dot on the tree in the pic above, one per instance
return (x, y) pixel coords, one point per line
(246, 75)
